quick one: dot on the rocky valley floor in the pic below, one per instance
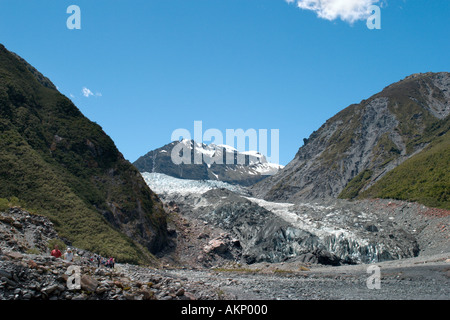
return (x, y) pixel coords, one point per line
(31, 277)
(205, 257)
(426, 278)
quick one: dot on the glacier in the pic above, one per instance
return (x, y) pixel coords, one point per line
(286, 230)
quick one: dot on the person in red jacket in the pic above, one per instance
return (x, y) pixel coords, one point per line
(56, 253)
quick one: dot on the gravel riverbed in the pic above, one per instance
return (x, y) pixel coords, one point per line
(422, 278)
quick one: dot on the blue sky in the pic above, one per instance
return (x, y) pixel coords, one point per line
(153, 66)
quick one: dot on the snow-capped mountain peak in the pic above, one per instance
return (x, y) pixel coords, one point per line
(208, 162)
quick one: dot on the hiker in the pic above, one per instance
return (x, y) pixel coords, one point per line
(99, 260)
(68, 256)
(110, 262)
(56, 253)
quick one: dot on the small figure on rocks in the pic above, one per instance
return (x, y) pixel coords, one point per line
(68, 256)
(110, 262)
(56, 253)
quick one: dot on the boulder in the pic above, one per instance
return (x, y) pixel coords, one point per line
(147, 294)
(180, 292)
(49, 289)
(216, 245)
(4, 273)
(15, 255)
(88, 283)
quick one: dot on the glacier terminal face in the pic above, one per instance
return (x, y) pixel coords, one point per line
(164, 184)
(333, 233)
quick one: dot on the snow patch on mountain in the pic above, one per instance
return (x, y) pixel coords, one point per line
(257, 162)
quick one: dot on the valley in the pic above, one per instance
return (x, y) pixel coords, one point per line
(25, 275)
(370, 187)
(408, 242)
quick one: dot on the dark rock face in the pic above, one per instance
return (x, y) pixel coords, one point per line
(254, 168)
(363, 142)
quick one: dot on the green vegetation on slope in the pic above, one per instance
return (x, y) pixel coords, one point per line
(353, 188)
(41, 189)
(424, 178)
(60, 164)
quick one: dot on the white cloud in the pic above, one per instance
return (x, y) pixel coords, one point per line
(346, 10)
(86, 92)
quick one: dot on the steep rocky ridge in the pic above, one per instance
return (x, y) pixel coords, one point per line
(60, 164)
(363, 142)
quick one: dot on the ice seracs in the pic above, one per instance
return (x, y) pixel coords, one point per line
(164, 184)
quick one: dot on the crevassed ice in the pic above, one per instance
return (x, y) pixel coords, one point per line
(164, 184)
